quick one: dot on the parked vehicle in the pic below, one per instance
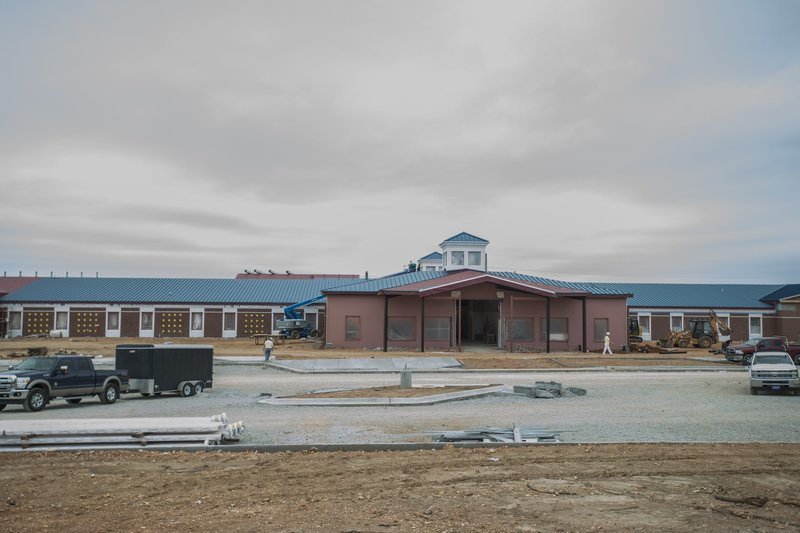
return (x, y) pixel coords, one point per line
(773, 371)
(744, 352)
(702, 333)
(37, 380)
(155, 368)
(295, 327)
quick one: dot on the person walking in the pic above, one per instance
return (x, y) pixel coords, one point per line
(607, 344)
(268, 345)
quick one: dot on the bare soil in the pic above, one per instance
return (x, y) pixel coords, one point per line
(489, 359)
(387, 392)
(650, 487)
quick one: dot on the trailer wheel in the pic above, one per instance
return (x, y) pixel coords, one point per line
(36, 400)
(198, 387)
(110, 394)
(73, 401)
(187, 389)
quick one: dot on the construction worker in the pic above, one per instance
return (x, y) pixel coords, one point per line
(267, 350)
(607, 344)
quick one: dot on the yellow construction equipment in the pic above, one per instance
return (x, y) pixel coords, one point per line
(702, 333)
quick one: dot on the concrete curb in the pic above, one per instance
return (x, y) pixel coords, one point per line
(732, 368)
(392, 402)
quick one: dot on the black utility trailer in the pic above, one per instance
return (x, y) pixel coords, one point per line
(155, 368)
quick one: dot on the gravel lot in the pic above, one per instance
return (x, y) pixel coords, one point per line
(619, 407)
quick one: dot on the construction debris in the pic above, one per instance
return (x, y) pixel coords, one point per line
(490, 434)
(117, 433)
(548, 389)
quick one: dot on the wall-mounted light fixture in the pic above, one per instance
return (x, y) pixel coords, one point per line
(500, 295)
(455, 294)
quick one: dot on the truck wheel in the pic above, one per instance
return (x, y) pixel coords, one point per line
(110, 394)
(198, 388)
(74, 400)
(36, 400)
(704, 342)
(145, 394)
(295, 334)
(747, 359)
(2, 406)
(754, 391)
(187, 390)
(797, 360)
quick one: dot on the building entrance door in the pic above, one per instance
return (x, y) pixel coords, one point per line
(479, 319)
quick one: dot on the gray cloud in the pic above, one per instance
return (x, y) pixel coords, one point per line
(353, 135)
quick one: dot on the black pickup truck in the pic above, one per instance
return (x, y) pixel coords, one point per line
(37, 380)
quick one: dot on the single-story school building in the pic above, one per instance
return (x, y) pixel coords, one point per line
(448, 299)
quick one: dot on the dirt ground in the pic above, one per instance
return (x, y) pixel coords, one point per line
(310, 350)
(664, 487)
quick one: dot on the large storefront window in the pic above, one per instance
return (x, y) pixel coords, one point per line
(437, 328)
(558, 329)
(600, 329)
(400, 328)
(521, 329)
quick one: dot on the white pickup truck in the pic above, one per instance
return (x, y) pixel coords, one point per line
(773, 371)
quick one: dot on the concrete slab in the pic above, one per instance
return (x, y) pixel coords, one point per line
(366, 402)
(366, 364)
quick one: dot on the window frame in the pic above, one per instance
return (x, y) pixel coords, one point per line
(510, 332)
(109, 325)
(352, 334)
(408, 320)
(192, 316)
(471, 254)
(14, 317)
(602, 335)
(431, 337)
(225, 316)
(552, 321)
(65, 316)
(459, 254)
(143, 321)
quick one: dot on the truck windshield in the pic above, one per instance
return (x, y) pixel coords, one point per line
(778, 359)
(37, 363)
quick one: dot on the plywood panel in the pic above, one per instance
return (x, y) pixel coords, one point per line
(87, 323)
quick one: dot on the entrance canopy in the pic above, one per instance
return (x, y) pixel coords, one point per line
(469, 278)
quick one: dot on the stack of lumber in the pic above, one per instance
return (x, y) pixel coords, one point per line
(42, 435)
(489, 434)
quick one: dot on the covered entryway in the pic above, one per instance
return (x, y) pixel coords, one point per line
(480, 322)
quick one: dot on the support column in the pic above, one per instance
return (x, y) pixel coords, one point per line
(385, 322)
(547, 334)
(583, 310)
(510, 324)
(422, 324)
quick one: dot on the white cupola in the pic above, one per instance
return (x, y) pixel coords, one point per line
(464, 251)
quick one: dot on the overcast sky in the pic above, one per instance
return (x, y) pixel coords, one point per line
(599, 140)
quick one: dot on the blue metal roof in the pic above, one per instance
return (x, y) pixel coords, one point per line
(172, 290)
(592, 288)
(787, 291)
(432, 256)
(708, 296)
(465, 237)
(388, 282)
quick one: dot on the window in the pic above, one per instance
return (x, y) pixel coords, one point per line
(521, 329)
(558, 329)
(430, 268)
(644, 322)
(676, 322)
(197, 321)
(311, 318)
(474, 258)
(437, 329)
(147, 320)
(755, 326)
(600, 328)
(400, 328)
(83, 365)
(15, 320)
(230, 321)
(458, 258)
(113, 320)
(61, 320)
(275, 318)
(787, 307)
(352, 328)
